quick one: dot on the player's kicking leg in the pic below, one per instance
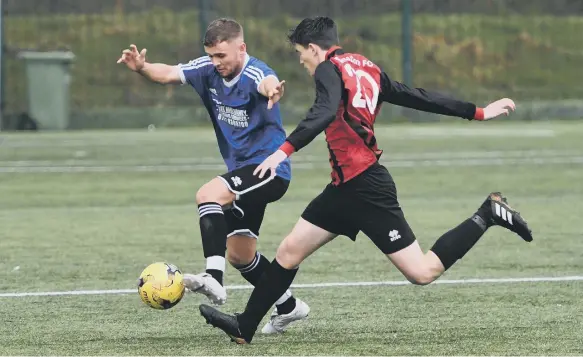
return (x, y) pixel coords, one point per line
(304, 239)
(329, 212)
(243, 255)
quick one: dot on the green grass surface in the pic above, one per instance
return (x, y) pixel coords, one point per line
(98, 230)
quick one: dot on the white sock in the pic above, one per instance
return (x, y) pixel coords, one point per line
(284, 297)
(216, 262)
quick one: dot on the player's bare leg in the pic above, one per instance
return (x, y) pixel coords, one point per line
(304, 240)
(211, 198)
(423, 268)
(418, 267)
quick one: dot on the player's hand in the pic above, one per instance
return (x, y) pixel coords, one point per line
(132, 58)
(270, 164)
(499, 107)
(275, 94)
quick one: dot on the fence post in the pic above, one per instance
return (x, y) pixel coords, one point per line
(407, 40)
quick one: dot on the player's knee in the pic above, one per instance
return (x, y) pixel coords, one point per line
(204, 195)
(421, 277)
(240, 257)
(287, 256)
(207, 194)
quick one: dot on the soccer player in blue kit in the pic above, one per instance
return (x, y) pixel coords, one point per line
(241, 95)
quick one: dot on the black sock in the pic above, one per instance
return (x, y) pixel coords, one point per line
(213, 231)
(217, 274)
(273, 284)
(483, 217)
(253, 271)
(454, 244)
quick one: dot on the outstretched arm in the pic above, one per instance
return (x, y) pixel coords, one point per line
(161, 73)
(156, 72)
(418, 98)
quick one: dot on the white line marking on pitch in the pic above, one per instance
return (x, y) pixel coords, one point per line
(301, 165)
(318, 285)
(216, 160)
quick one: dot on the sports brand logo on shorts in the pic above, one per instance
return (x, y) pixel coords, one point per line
(236, 181)
(394, 235)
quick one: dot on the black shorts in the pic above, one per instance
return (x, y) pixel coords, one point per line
(367, 203)
(245, 215)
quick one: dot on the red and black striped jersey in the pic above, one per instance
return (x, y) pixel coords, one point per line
(349, 92)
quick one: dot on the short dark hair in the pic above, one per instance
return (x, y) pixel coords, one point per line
(319, 30)
(223, 29)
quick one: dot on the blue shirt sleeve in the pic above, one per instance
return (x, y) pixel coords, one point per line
(195, 72)
(257, 71)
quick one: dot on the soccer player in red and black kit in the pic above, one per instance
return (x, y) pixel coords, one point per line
(362, 195)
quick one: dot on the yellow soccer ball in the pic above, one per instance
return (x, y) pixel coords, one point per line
(160, 286)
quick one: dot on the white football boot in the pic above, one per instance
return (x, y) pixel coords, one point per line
(278, 323)
(205, 284)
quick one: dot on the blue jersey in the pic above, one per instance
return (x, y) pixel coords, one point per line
(247, 132)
